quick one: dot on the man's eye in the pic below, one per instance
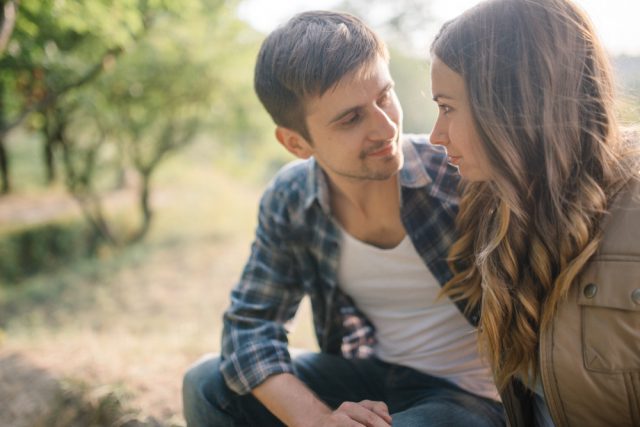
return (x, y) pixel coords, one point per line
(385, 98)
(354, 118)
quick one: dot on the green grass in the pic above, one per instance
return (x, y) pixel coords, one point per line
(129, 321)
(26, 157)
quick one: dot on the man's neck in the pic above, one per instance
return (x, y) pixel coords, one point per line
(363, 194)
(369, 210)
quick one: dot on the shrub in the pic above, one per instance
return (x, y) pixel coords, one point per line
(43, 247)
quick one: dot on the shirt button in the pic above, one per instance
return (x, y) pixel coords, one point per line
(590, 290)
(635, 296)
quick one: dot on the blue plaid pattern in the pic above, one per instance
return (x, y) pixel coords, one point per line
(296, 252)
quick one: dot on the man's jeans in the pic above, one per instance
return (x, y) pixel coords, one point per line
(413, 398)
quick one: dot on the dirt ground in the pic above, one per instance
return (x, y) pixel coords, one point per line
(141, 330)
(112, 347)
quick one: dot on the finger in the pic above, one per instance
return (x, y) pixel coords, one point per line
(365, 416)
(380, 408)
(340, 420)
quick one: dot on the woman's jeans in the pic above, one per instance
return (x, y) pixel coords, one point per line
(413, 398)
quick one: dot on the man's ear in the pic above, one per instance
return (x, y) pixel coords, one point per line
(295, 143)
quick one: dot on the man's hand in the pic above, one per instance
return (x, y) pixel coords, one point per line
(294, 404)
(350, 414)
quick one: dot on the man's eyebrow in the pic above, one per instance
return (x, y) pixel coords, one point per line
(387, 87)
(349, 110)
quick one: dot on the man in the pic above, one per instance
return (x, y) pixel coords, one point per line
(365, 220)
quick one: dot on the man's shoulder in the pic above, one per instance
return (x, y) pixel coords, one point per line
(430, 154)
(622, 223)
(296, 172)
(432, 160)
(289, 186)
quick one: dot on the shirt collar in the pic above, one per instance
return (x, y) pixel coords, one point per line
(317, 187)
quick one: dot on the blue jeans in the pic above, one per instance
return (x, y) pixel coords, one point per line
(413, 398)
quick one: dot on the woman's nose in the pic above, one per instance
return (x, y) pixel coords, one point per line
(438, 136)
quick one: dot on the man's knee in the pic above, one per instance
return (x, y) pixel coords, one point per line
(202, 375)
(202, 392)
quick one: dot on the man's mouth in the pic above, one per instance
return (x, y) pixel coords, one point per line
(383, 151)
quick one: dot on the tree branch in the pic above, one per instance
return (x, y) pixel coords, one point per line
(8, 23)
(91, 74)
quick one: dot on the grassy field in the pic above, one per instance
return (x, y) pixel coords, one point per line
(105, 341)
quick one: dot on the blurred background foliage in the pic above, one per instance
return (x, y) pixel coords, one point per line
(95, 95)
(109, 90)
(132, 154)
(103, 92)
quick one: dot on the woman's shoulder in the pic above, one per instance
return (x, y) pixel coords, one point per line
(621, 225)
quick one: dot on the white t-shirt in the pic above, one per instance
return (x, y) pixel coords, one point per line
(397, 292)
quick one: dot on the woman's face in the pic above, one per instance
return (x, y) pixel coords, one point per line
(454, 128)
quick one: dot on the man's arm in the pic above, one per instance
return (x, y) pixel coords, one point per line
(254, 342)
(295, 405)
(254, 338)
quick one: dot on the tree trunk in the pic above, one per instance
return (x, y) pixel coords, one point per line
(5, 187)
(49, 162)
(145, 206)
(4, 168)
(53, 133)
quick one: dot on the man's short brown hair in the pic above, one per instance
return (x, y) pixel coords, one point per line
(307, 56)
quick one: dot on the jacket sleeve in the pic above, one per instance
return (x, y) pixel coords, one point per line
(254, 338)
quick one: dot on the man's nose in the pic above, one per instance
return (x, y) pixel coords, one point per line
(384, 128)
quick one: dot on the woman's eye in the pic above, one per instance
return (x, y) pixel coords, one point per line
(444, 108)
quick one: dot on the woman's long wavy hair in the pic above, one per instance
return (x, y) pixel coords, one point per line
(541, 94)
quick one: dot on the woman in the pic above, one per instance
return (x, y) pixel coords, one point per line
(549, 222)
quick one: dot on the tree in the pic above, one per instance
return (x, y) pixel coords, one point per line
(402, 23)
(57, 47)
(176, 82)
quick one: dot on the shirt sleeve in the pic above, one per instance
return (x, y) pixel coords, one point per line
(254, 339)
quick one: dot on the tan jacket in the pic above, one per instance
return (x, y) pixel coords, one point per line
(590, 357)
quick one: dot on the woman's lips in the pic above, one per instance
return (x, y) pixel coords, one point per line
(455, 160)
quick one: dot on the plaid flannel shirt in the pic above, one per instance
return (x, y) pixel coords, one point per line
(296, 252)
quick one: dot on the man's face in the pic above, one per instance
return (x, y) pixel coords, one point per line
(355, 126)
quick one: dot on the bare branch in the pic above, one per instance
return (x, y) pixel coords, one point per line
(8, 23)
